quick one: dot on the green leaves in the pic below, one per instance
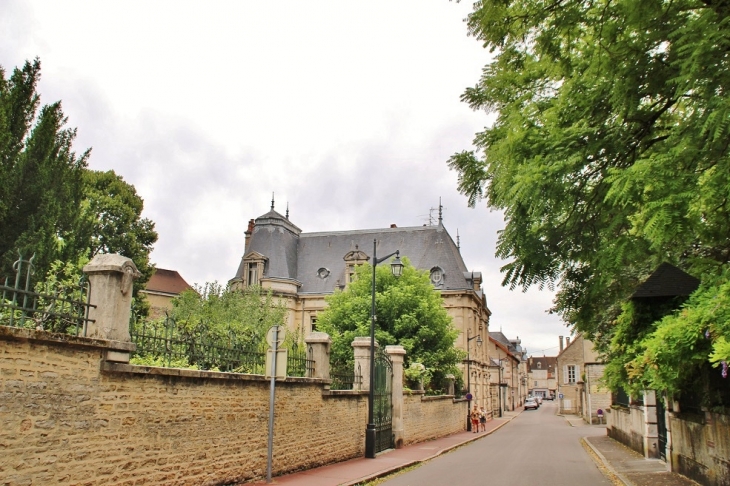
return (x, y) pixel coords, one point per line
(409, 312)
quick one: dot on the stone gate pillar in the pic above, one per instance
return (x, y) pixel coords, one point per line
(651, 428)
(361, 347)
(110, 282)
(320, 343)
(396, 354)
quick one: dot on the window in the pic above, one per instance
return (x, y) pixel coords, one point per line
(253, 274)
(571, 374)
(313, 323)
(535, 383)
(539, 365)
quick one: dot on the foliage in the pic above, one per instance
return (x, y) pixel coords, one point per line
(409, 312)
(111, 222)
(221, 312)
(51, 205)
(609, 156)
(609, 153)
(161, 362)
(41, 190)
(679, 345)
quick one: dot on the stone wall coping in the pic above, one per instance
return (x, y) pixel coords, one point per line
(196, 374)
(344, 393)
(18, 333)
(436, 398)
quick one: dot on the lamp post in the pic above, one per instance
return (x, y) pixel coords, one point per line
(478, 337)
(397, 268)
(500, 387)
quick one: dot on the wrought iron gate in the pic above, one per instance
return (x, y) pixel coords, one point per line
(382, 402)
(661, 419)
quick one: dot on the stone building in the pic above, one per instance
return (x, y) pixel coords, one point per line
(580, 372)
(542, 376)
(163, 286)
(507, 375)
(303, 268)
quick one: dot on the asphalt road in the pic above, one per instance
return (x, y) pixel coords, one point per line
(537, 448)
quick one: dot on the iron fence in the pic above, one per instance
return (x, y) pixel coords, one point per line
(342, 379)
(163, 343)
(48, 306)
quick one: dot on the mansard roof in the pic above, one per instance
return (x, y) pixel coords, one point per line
(425, 246)
(317, 260)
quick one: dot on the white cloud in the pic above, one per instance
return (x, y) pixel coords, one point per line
(348, 111)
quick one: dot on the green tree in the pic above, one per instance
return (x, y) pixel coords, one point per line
(111, 222)
(609, 154)
(51, 204)
(409, 312)
(41, 189)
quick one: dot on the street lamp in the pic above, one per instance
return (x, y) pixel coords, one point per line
(478, 337)
(397, 268)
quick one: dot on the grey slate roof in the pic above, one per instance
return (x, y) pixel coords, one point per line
(299, 256)
(666, 281)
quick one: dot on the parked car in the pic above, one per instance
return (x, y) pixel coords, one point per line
(538, 399)
(550, 397)
(531, 403)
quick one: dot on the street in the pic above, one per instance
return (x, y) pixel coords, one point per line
(537, 448)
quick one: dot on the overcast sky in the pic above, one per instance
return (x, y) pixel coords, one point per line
(347, 111)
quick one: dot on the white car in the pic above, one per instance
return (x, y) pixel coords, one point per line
(531, 403)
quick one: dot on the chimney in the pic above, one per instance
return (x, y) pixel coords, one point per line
(561, 343)
(567, 341)
(248, 234)
(393, 225)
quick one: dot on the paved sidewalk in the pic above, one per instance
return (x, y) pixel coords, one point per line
(360, 470)
(632, 468)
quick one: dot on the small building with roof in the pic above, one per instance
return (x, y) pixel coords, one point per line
(163, 286)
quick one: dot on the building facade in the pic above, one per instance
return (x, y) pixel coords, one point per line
(542, 377)
(580, 372)
(302, 269)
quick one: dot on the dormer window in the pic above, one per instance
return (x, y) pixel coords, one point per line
(437, 276)
(353, 259)
(253, 268)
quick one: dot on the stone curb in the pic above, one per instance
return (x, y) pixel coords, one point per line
(605, 463)
(388, 472)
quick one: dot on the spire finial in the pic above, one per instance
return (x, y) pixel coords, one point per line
(287, 210)
(458, 240)
(272, 201)
(440, 213)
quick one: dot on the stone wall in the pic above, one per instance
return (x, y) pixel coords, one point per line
(598, 396)
(426, 418)
(701, 449)
(626, 425)
(67, 416)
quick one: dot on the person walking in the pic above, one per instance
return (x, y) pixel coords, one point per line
(483, 419)
(475, 419)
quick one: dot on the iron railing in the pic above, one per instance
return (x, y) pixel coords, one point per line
(54, 307)
(163, 343)
(343, 379)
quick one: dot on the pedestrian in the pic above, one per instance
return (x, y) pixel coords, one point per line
(483, 419)
(475, 419)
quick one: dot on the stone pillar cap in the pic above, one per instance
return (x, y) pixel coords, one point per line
(112, 262)
(362, 341)
(395, 349)
(318, 337)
